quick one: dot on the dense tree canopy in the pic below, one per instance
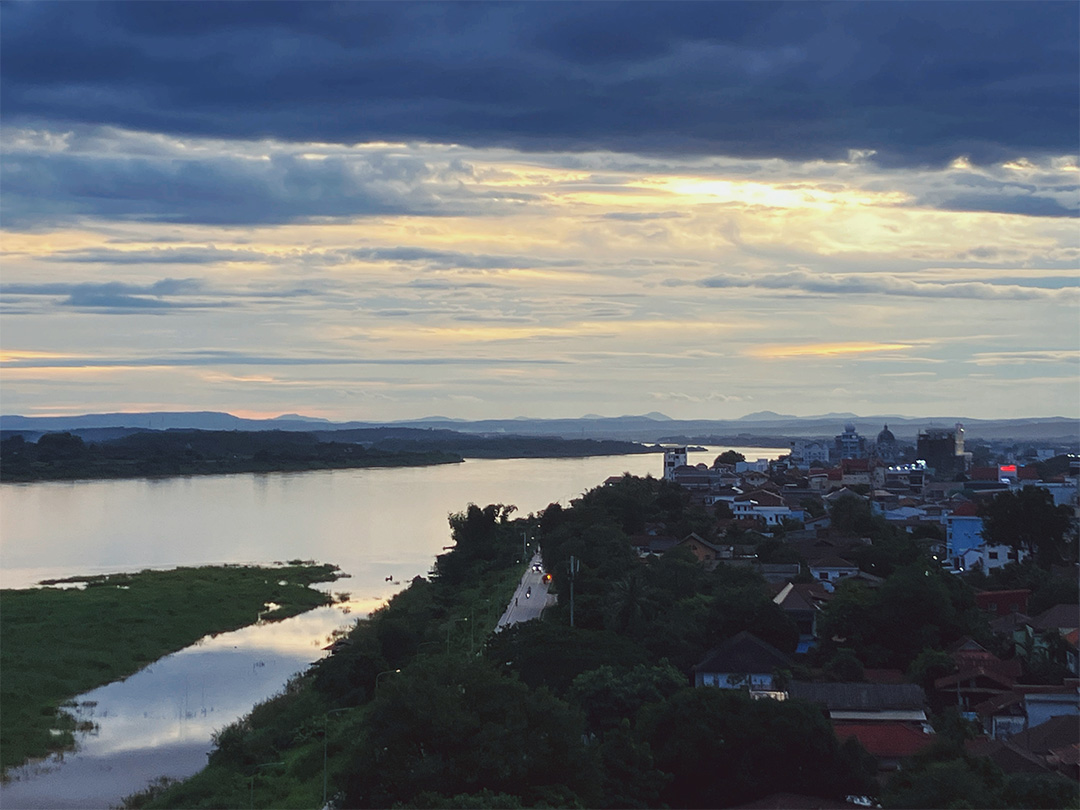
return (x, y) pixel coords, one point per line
(1029, 520)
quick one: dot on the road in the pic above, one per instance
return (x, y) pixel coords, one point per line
(525, 608)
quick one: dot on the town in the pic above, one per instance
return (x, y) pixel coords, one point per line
(820, 525)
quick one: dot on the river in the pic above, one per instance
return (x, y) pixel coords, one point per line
(381, 526)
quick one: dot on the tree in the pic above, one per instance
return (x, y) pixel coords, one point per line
(454, 727)
(608, 696)
(1029, 520)
(844, 666)
(729, 457)
(722, 748)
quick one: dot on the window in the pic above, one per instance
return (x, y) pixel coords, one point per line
(993, 555)
(823, 575)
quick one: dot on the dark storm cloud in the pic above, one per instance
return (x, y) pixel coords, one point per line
(918, 82)
(222, 190)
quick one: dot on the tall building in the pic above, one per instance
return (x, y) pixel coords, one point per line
(673, 457)
(849, 444)
(943, 451)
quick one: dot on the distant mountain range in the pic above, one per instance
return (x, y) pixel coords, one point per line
(765, 428)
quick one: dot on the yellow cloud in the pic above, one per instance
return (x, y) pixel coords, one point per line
(697, 189)
(825, 349)
(13, 356)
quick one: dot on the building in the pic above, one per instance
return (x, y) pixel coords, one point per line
(744, 661)
(830, 570)
(674, 457)
(849, 444)
(886, 447)
(943, 451)
(804, 453)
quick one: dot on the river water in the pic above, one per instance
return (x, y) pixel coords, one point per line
(381, 526)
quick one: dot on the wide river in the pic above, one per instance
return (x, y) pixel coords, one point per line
(380, 526)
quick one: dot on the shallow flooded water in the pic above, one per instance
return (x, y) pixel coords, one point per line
(160, 721)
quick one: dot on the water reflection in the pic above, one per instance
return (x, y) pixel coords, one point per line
(159, 722)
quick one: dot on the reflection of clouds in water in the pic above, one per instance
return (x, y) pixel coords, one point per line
(160, 721)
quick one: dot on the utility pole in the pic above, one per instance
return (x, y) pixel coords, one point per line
(574, 567)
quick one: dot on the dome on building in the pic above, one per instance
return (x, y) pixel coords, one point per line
(885, 436)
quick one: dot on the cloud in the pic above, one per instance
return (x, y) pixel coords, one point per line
(118, 297)
(223, 189)
(883, 284)
(825, 349)
(911, 83)
(1020, 358)
(170, 255)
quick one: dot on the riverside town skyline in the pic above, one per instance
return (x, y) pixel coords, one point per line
(392, 211)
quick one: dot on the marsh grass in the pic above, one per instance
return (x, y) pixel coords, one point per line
(58, 642)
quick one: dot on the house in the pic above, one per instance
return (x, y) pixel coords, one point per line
(844, 492)
(1027, 706)
(988, 557)
(692, 478)
(1002, 603)
(972, 686)
(831, 569)
(803, 603)
(1055, 742)
(1060, 618)
(742, 662)
(707, 553)
(1007, 755)
(1037, 637)
(768, 506)
(865, 702)
(753, 479)
(888, 743)
(652, 544)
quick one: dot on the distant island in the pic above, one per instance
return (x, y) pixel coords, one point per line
(137, 453)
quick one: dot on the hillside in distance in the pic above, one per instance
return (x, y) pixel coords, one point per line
(762, 428)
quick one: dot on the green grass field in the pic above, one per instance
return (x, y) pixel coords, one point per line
(56, 643)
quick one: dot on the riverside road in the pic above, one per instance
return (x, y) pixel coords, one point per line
(524, 608)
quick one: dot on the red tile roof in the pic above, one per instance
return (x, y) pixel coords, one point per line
(966, 509)
(889, 740)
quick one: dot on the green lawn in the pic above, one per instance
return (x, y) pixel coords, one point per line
(56, 643)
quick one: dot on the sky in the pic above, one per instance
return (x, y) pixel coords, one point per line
(384, 211)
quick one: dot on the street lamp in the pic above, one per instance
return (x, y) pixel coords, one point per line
(325, 739)
(472, 623)
(251, 802)
(384, 672)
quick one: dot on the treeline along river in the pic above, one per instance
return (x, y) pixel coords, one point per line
(381, 526)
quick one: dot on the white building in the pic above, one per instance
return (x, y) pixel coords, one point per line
(673, 457)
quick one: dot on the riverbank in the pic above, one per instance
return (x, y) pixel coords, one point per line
(83, 632)
(296, 750)
(145, 453)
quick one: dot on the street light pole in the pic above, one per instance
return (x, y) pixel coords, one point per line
(251, 801)
(325, 739)
(574, 567)
(384, 672)
(449, 627)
